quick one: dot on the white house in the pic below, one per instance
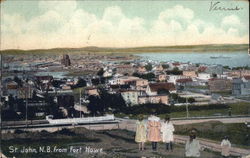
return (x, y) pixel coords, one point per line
(130, 96)
(173, 78)
(204, 76)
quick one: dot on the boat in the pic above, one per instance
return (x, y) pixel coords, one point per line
(80, 120)
(219, 57)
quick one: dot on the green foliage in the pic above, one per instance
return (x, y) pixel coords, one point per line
(165, 66)
(191, 100)
(148, 67)
(238, 133)
(175, 71)
(163, 109)
(105, 102)
(100, 72)
(149, 76)
(163, 91)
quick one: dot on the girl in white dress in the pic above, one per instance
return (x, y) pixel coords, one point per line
(167, 129)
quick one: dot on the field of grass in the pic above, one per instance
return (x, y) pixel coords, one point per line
(241, 108)
(238, 133)
(236, 109)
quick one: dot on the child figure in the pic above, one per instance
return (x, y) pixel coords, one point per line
(192, 145)
(167, 130)
(141, 135)
(154, 133)
(225, 147)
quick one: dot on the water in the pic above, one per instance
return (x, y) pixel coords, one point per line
(54, 74)
(231, 59)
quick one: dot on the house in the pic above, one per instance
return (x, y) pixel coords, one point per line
(173, 78)
(158, 68)
(153, 88)
(107, 74)
(184, 82)
(189, 73)
(92, 91)
(204, 76)
(139, 84)
(241, 86)
(130, 96)
(44, 79)
(125, 69)
(154, 99)
(215, 69)
(123, 80)
(161, 77)
(141, 69)
(219, 85)
(239, 73)
(202, 68)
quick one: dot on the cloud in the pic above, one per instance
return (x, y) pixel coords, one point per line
(231, 20)
(65, 25)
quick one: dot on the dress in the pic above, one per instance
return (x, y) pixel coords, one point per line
(154, 127)
(141, 132)
(192, 148)
(225, 147)
(167, 130)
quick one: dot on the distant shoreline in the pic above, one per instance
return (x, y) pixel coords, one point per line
(135, 50)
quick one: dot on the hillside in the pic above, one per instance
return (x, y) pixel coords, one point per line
(106, 50)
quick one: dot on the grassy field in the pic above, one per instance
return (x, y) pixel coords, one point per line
(241, 108)
(236, 109)
(238, 133)
(115, 144)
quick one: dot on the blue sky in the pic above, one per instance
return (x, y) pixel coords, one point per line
(50, 24)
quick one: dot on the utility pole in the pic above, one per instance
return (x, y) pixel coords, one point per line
(26, 103)
(187, 107)
(80, 104)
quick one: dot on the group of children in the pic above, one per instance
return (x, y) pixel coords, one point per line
(155, 131)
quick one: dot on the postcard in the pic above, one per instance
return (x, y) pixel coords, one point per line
(124, 79)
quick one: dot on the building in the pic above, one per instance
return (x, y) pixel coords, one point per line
(154, 99)
(158, 68)
(130, 96)
(154, 88)
(219, 85)
(125, 69)
(123, 80)
(91, 91)
(141, 69)
(241, 86)
(161, 77)
(65, 60)
(240, 73)
(173, 78)
(204, 76)
(184, 82)
(189, 73)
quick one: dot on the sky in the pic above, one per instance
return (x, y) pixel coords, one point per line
(35, 24)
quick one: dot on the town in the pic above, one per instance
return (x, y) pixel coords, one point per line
(89, 84)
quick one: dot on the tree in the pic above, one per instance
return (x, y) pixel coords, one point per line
(165, 66)
(100, 72)
(191, 100)
(95, 105)
(148, 67)
(163, 91)
(81, 83)
(18, 81)
(175, 71)
(95, 81)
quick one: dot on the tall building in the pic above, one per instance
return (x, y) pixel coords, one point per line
(65, 60)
